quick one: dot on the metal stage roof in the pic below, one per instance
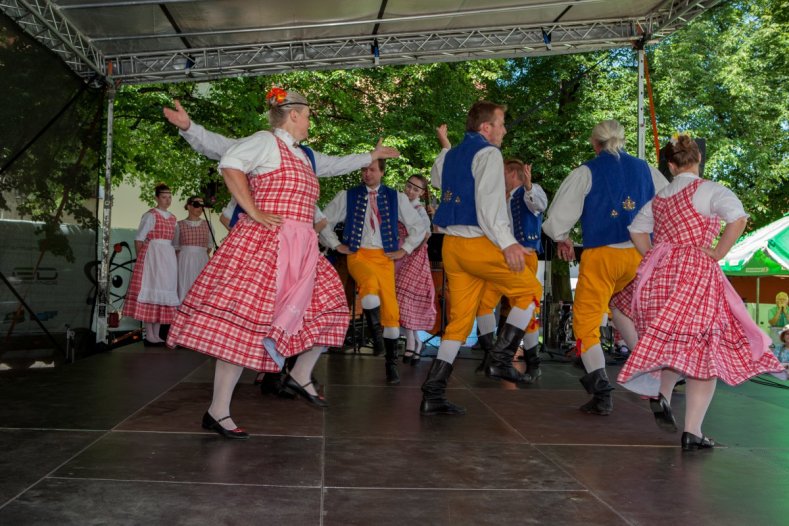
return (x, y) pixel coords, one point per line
(138, 41)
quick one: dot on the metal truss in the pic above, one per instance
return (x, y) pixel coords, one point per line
(41, 20)
(203, 64)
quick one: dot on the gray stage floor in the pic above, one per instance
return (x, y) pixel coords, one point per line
(116, 439)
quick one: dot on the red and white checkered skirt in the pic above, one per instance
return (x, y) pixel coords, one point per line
(683, 318)
(415, 289)
(230, 308)
(149, 312)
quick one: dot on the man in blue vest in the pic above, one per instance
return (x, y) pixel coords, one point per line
(371, 212)
(478, 248)
(605, 193)
(527, 202)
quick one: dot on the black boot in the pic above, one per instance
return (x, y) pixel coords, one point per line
(501, 356)
(486, 344)
(596, 384)
(532, 362)
(392, 376)
(434, 389)
(373, 317)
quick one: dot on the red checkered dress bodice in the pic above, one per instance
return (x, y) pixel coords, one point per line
(290, 191)
(190, 235)
(162, 228)
(680, 223)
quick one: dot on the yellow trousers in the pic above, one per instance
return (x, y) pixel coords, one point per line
(604, 271)
(491, 295)
(374, 274)
(471, 263)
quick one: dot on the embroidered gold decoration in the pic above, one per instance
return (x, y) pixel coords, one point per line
(628, 204)
(614, 213)
(457, 200)
(447, 197)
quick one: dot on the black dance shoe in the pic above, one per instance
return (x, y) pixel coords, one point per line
(415, 358)
(408, 356)
(147, 343)
(293, 385)
(691, 442)
(214, 425)
(664, 418)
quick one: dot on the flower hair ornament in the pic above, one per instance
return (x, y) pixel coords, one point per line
(276, 95)
(675, 138)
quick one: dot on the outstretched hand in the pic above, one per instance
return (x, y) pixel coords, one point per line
(178, 116)
(383, 152)
(441, 134)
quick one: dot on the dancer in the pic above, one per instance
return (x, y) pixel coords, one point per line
(192, 245)
(153, 291)
(605, 193)
(690, 320)
(478, 247)
(266, 294)
(371, 212)
(416, 294)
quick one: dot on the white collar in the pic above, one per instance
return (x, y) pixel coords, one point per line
(286, 137)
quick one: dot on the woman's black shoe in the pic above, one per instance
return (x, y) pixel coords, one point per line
(147, 343)
(415, 358)
(664, 418)
(691, 442)
(214, 425)
(293, 385)
(408, 356)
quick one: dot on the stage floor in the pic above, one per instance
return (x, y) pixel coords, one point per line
(116, 439)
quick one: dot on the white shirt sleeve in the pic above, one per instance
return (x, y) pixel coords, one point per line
(228, 210)
(147, 222)
(422, 211)
(568, 204)
(490, 196)
(438, 167)
(208, 143)
(535, 199)
(644, 222)
(335, 212)
(658, 179)
(407, 214)
(252, 155)
(329, 166)
(717, 200)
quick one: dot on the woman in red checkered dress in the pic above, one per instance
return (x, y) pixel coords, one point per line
(266, 294)
(414, 287)
(690, 321)
(152, 296)
(192, 244)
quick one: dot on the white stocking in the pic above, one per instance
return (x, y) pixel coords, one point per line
(668, 379)
(626, 328)
(302, 370)
(226, 377)
(698, 395)
(151, 333)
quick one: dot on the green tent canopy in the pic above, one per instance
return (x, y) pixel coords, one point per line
(763, 252)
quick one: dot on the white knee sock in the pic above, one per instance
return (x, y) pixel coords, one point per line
(520, 317)
(392, 333)
(302, 370)
(668, 379)
(698, 395)
(226, 377)
(486, 323)
(593, 359)
(626, 328)
(371, 301)
(530, 339)
(448, 350)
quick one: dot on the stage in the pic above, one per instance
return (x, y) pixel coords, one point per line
(115, 438)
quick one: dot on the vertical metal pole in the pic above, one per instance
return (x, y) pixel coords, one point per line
(103, 288)
(641, 124)
(757, 300)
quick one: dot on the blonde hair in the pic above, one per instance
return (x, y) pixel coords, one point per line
(781, 296)
(279, 108)
(610, 136)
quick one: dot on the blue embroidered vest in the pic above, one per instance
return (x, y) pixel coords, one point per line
(458, 205)
(526, 226)
(620, 187)
(356, 206)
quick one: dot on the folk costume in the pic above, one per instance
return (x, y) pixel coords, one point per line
(605, 194)
(473, 216)
(192, 242)
(526, 210)
(371, 216)
(152, 296)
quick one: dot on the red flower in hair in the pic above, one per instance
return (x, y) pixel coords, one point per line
(278, 94)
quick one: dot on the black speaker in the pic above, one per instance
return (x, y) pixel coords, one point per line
(434, 245)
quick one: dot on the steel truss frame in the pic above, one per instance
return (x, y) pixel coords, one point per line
(51, 27)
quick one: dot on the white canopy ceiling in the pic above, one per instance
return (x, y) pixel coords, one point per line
(139, 41)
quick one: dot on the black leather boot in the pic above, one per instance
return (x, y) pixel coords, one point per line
(502, 353)
(596, 384)
(532, 362)
(392, 376)
(486, 344)
(434, 401)
(373, 317)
